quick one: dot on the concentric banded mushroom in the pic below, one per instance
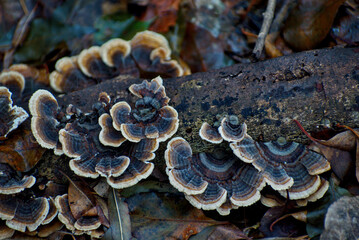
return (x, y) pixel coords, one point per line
(152, 54)
(212, 181)
(109, 136)
(10, 183)
(123, 166)
(91, 159)
(285, 166)
(10, 116)
(23, 214)
(84, 224)
(210, 134)
(231, 130)
(91, 64)
(44, 122)
(146, 55)
(68, 76)
(14, 81)
(151, 117)
(117, 53)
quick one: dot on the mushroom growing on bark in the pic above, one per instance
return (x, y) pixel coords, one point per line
(212, 181)
(10, 116)
(151, 117)
(10, 183)
(285, 165)
(45, 120)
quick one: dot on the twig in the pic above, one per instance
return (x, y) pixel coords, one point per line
(280, 17)
(268, 16)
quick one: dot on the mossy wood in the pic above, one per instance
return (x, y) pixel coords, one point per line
(312, 87)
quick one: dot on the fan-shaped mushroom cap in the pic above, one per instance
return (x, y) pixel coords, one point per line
(80, 141)
(284, 165)
(10, 182)
(135, 172)
(10, 116)
(114, 51)
(52, 212)
(65, 215)
(20, 214)
(210, 134)
(231, 130)
(152, 54)
(91, 64)
(209, 180)
(44, 109)
(84, 224)
(150, 118)
(14, 81)
(68, 76)
(109, 136)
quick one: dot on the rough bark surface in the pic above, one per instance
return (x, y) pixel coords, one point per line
(312, 87)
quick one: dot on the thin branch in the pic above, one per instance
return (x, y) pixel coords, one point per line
(268, 17)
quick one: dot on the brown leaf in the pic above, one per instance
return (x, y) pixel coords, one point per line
(21, 151)
(81, 199)
(119, 218)
(272, 224)
(344, 141)
(165, 216)
(341, 161)
(164, 12)
(201, 57)
(310, 22)
(227, 232)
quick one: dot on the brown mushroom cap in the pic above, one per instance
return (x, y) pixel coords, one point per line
(68, 76)
(52, 212)
(82, 225)
(284, 165)
(150, 118)
(91, 64)
(135, 172)
(151, 52)
(91, 159)
(116, 53)
(88, 223)
(10, 182)
(21, 215)
(210, 134)
(64, 212)
(231, 130)
(209, 180)
(5, 231)
(109, 136)
(14, 81)
(10, 116)
(44, 109)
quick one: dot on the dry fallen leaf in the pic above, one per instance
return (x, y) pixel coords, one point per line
(119, 218)
(21, 151)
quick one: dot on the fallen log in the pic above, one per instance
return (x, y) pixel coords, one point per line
(315, 87)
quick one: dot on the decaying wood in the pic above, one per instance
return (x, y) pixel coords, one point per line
(312, 87)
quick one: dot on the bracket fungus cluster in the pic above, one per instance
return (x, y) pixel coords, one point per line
(212, 181)
(117, 140)
(19, 210)
(146, 55)
(114, 141)
(236, 179)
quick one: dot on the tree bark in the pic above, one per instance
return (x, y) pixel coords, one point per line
(313, 87)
